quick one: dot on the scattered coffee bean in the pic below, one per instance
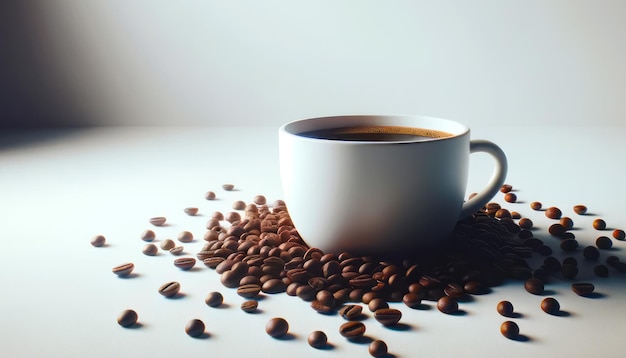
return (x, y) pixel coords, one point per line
(591, 253)
(377, 348)
(351, 312)
(185, 236)
(98, 241)
(148, 235)
(505, 308)
(509, 329)
(127, 318)
(191, 211)
(260, 200)
(250, 306)
(317, 339)
(515, 215)
(352, 329)
(599, 224)
(167, 244)
(228, 187)
(505, 188)
(412, 300)
(569, 245)
(169, 289)
(535, 205)
(123, 269)
(319, 307)
(157, 220)
(567, 223)
(556, 230)
(619, 234)
(569, 271)
(273, 286)
(534, 285)
(248, 290)
(150, 249)
(209, 195)
(214, 299)
(550, 305)
(525, 223)
(604, 242)
(376, 304)
(232, 216)
(503, 213)
(553, 212)
(239, 205)
(510, 197)
(277, 327)
(178, 250)
(388, 316)
(583, 288)
(601, 271)
(580, 209)
(185, 263)
(195, 328)
(447, 305)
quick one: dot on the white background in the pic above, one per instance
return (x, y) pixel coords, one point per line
(482, 62)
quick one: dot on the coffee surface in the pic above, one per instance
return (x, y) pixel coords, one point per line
(376, 133)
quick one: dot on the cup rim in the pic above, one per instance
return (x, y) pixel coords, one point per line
(296, 127)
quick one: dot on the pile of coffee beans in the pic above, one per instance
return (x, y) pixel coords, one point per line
(256, 249)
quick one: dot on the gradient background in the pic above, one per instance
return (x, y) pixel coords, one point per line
(147, 62)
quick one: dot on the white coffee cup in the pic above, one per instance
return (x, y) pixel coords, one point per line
(380, 197)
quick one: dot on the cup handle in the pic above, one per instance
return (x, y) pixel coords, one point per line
(496, 181)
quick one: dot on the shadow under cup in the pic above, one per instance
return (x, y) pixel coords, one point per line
(390, 197)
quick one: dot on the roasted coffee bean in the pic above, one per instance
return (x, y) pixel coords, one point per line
(505, 308)
(376, 304)
(123, 269)
(619, 234)
(599, 224)
(591, 253)
(228, 187)
(411, 300)
(352, 329)
(147, 235)
(232, 216)
(277, 327)
(505, 188)
(601, 271)
(209, 195)
(536, 205)
(150, 250)
(98, 241)
(552, 264)
(195, 328)
(326, 298)
(213, 262)
(583, 288)
(567, 223)
(178, 250)
(580, 209)
(322, 308)
(553, 212)
(604, 242)
(612, 260)
(239, 205)
(569, 271)
(185, 236)
(214, 299)
(368, 296)
(569, 245)
(510, 197)
(249, 306)
(317, 339)
(509, 329)
(388, 316)
(534, 285)
(525, 223)
(570, 260)
(306, 293)
(474, 288)
(447, 305)
(185, 263)
(550, 305)
(259, 200)
(556, 230)
(127, 318)
(377, 348)
(351, 312)
(191, 211)
(169, 289)
(157, 220)
(167, 244)
(274, 285)
(248, 290)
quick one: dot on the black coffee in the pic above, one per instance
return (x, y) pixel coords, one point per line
(376, 133)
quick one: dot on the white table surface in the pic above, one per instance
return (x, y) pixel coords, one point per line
(59, 298)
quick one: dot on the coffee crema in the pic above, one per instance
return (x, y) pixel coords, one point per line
(376, 133)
